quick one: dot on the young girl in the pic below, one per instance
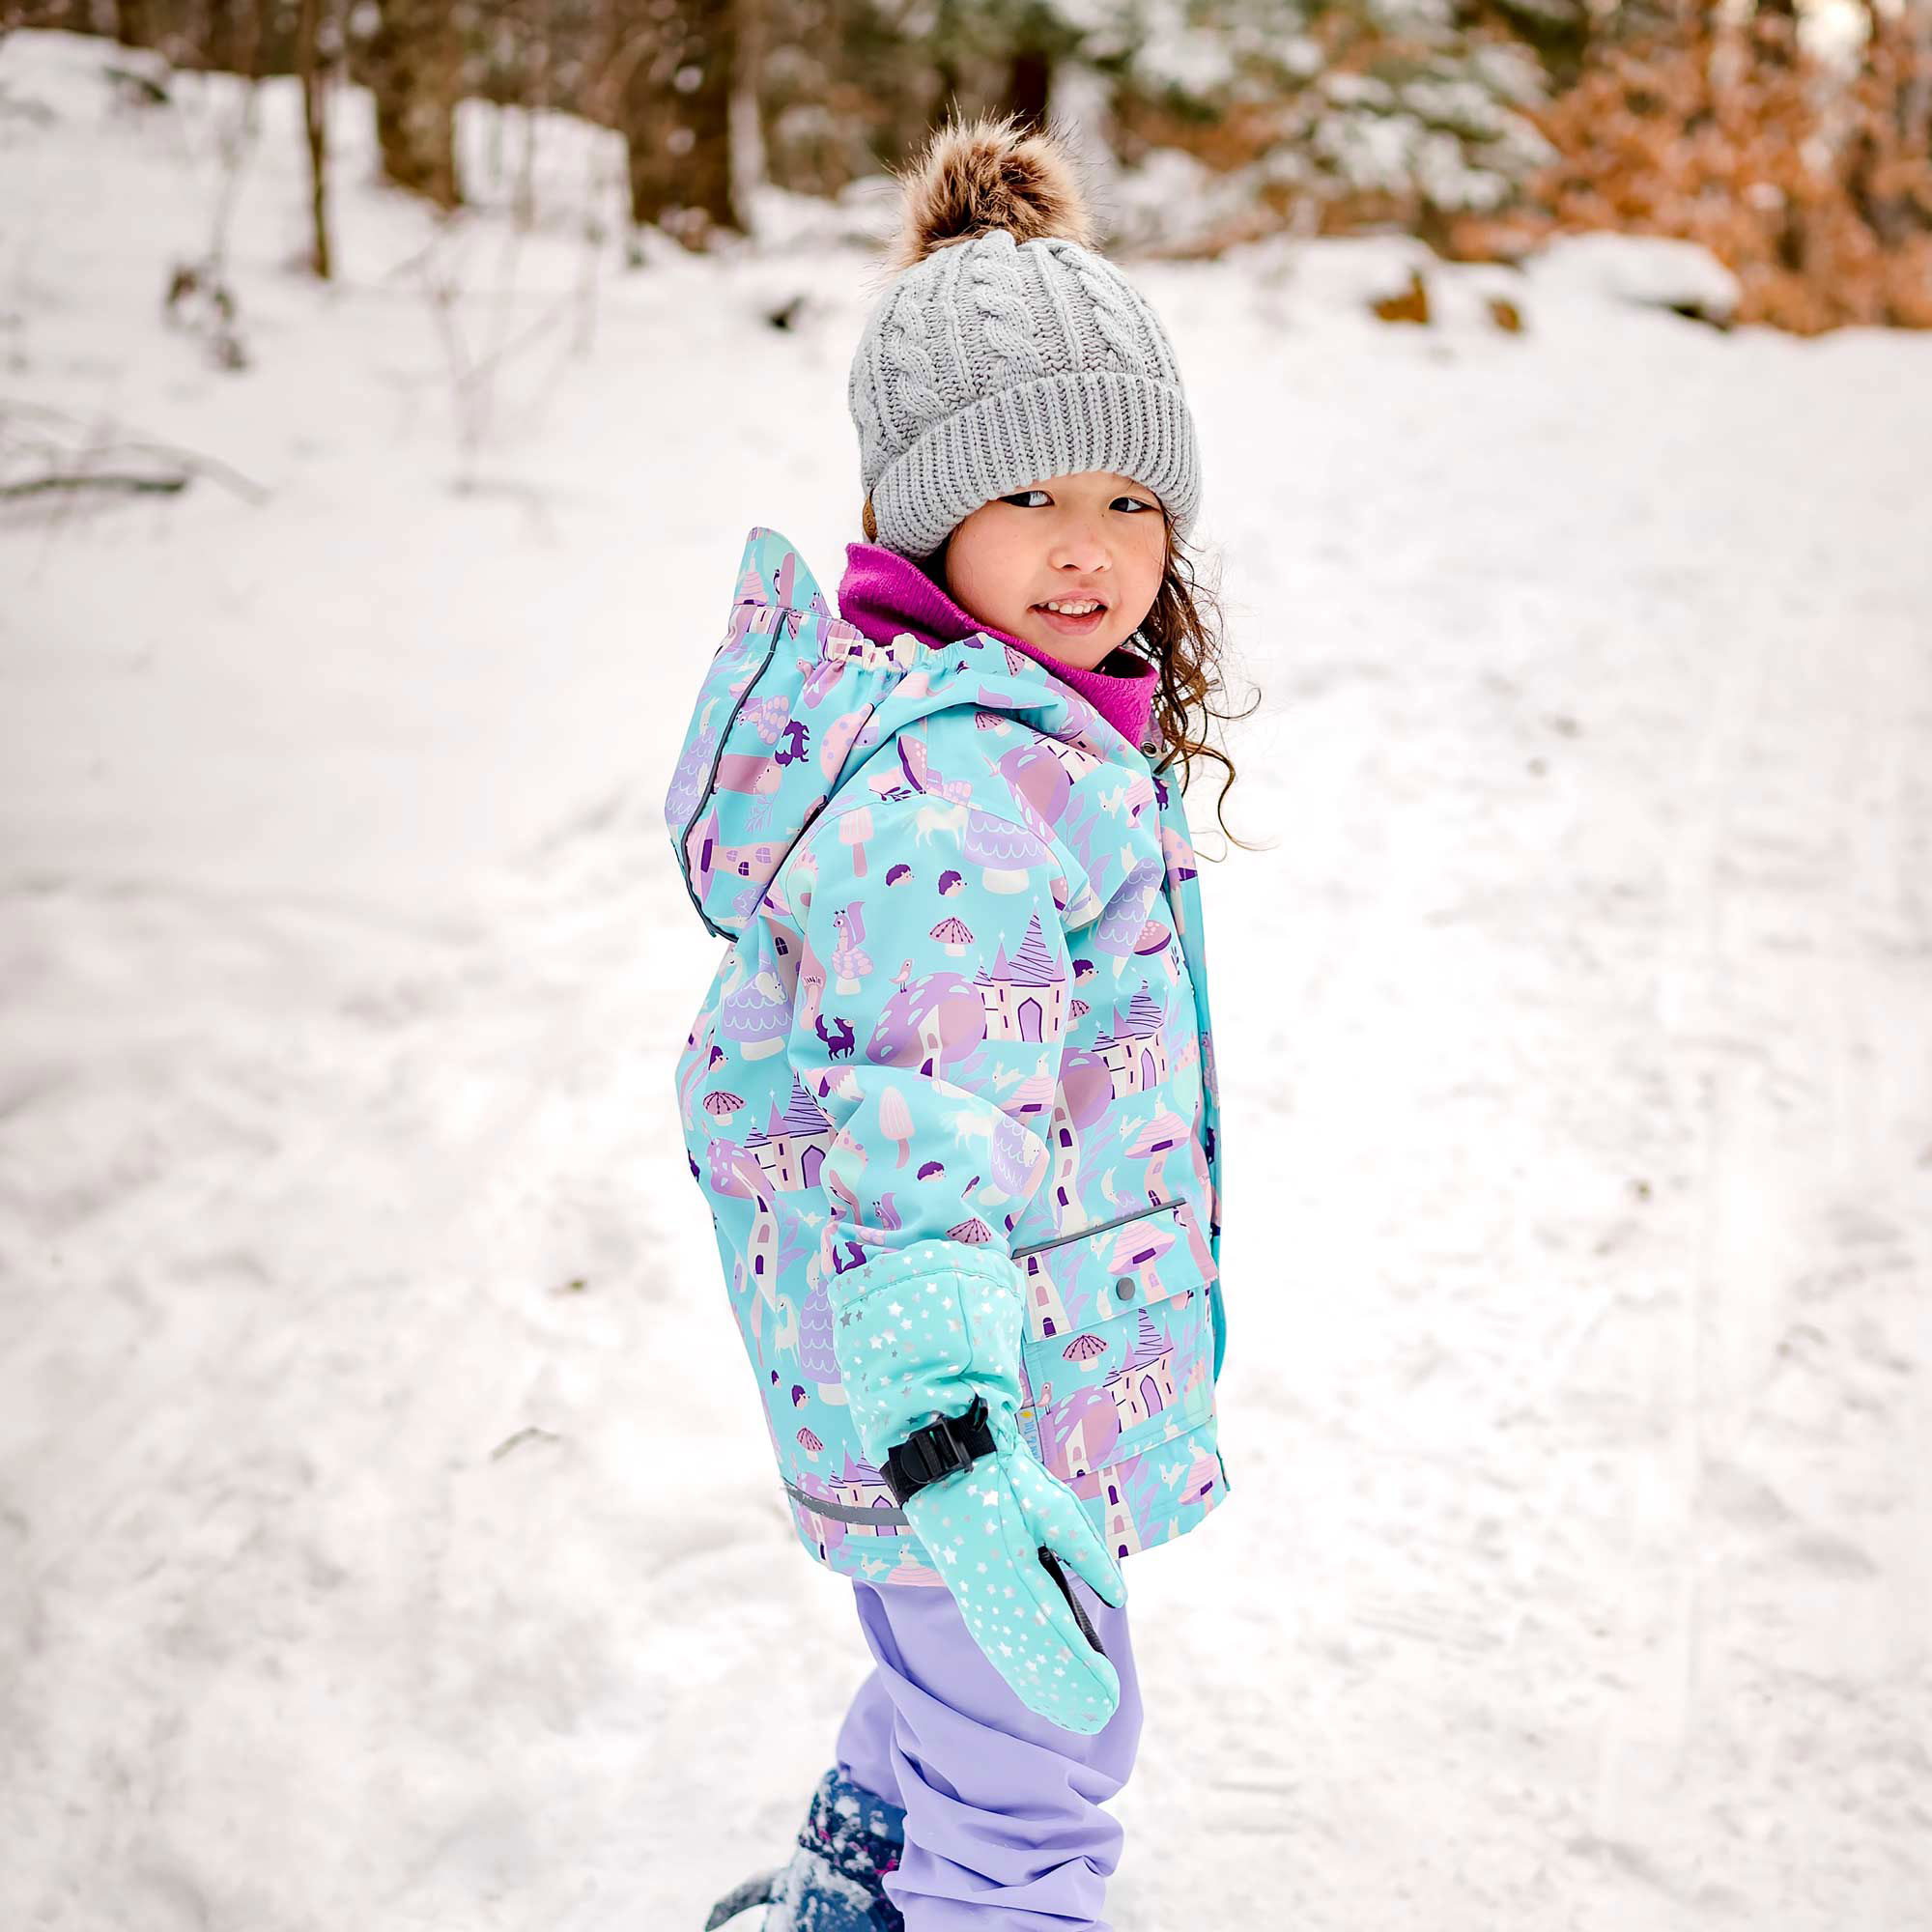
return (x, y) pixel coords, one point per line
(951, 1095)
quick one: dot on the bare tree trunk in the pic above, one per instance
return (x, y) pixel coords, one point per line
(308, 65)
(674, 110)
(254, 35)
(415, 73)
(132, 25)
(218, 37)
(750, 168)
(537, 55)
(1029, 83)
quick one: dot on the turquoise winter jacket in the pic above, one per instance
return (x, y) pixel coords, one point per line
(963, 1000)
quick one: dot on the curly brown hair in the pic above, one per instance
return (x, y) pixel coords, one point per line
(1181, 637)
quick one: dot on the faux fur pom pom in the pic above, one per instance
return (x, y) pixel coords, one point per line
(985, 174)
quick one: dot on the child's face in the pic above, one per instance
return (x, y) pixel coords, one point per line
(1096, 534)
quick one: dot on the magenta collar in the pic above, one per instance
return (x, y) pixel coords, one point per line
(883, 593)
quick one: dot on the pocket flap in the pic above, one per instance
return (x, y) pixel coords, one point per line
(1113, 1267)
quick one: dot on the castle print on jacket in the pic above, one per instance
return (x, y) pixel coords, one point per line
(964, 999)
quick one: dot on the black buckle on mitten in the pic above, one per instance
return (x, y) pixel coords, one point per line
(938, 1449)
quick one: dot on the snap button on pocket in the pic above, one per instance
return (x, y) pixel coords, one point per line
(1125, 1288)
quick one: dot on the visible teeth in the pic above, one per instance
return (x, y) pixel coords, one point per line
(1071, 610)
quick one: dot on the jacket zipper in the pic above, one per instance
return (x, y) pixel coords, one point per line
(1097, 1228)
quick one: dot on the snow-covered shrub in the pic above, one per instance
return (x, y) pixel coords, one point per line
(1329, 118)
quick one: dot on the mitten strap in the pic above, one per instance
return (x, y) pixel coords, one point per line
(938, 1449)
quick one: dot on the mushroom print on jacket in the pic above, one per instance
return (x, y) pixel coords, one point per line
(963, 999)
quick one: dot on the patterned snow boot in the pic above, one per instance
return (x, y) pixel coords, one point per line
(850, 1839)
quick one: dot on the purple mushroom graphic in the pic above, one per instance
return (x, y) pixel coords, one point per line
(1036, 776)
(810, 1444)
(1136, 1249)
(1006, 853)
(953, 934)
(1084, 1348)
(1080, 1432)
(1034, 1093)
(933, 1021)
(975, 1232)
(1163, 1135)
(721, 1106)
(1153, 938)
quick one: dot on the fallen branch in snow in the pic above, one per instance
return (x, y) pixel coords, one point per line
(69, 464)
(164, 486)
(527, 1435)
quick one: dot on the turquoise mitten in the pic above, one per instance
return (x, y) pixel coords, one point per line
(993, 1530)
(919, 1334)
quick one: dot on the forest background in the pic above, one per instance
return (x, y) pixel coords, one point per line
(1789, 140)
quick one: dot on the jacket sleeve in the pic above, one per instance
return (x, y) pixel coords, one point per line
(929, 1025)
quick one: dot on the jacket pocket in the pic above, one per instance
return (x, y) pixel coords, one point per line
(1119, 1344)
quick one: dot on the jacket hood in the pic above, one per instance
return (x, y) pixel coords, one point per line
(797, 700)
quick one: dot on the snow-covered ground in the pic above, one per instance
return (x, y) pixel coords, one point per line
(1576, 1028)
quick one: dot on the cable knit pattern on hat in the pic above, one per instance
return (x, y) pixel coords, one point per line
(1000, 300)
(1112, 314)
(915, 384)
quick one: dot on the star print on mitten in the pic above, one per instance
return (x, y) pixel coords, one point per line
(984, 1529)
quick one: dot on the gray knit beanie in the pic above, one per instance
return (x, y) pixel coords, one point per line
(1007, 350)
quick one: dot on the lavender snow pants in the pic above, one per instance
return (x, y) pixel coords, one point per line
(1004, 1830)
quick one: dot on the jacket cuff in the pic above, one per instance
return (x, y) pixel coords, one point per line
(919, 1332)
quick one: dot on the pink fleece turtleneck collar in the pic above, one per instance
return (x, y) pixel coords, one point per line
(883, 593)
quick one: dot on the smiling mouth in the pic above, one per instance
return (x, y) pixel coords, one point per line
(1067, 626)
(1066, 617)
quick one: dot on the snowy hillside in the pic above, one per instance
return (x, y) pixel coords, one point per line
(1576, 1022)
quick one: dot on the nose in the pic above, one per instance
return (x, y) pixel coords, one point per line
(1079, 548)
